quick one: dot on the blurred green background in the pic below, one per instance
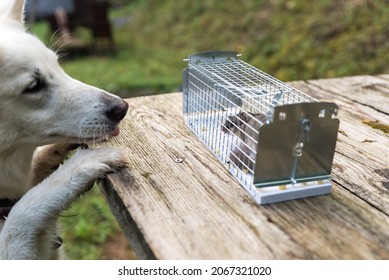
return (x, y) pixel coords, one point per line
(289, 39)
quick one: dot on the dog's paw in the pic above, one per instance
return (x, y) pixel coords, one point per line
(68, 182)
(72, 179)
(90, 164)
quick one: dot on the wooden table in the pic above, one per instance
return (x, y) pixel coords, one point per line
(194, 209)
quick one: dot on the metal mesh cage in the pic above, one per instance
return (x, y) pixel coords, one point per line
(228, 103)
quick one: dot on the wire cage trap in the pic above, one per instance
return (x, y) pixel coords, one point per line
(277, 141)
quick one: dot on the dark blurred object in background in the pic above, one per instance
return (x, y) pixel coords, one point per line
(64, 16)
(41, 9)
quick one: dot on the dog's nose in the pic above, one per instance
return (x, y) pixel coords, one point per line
(117, 112)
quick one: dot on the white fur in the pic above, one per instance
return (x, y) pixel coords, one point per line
(62, 111)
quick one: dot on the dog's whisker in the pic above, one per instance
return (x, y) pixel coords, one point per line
(109, 87)
(58, 48)
(52, 44)
(60, 55)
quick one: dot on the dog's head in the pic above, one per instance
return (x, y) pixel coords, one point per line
(39, 103)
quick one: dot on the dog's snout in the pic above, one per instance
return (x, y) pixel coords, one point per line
(118, 111)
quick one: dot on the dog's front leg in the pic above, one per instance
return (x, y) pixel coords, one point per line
(30, 225)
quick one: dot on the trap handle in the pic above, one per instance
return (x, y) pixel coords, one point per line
(212, 56)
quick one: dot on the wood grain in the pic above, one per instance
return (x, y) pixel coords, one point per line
(194, 209)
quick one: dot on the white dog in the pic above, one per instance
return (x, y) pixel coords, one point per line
(41, 105)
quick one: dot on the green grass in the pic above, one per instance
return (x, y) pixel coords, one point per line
(87, 226)
(289, 39)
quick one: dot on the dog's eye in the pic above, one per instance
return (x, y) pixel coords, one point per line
(35, 86)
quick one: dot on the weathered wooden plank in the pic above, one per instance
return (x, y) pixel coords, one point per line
(383, 76)
(196, 210)
(177, 209)
(367, 90)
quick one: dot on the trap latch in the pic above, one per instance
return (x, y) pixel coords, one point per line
(303, 136)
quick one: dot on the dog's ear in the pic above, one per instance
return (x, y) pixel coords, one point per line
(12, 10)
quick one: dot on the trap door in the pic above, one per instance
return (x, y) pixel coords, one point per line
(298, 146)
